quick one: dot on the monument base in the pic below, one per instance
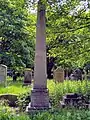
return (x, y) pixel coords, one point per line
(39, 100)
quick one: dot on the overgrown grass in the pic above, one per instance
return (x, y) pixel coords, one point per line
(14, 87)
(69, 87)
(56, 90)
(54, 114)
(59, 89)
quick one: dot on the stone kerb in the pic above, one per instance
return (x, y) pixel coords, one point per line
(59, 74)
(3, 74)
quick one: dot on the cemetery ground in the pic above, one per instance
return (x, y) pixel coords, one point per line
(56, 92)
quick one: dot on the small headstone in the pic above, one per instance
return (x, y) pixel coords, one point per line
(3, 74)
(27, 77)
(59, 75)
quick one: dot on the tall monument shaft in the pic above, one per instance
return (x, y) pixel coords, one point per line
(40, 94)
(40, 54)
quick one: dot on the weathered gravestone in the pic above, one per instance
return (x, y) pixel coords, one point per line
(59, 75)
(27, 77)
(3, 74)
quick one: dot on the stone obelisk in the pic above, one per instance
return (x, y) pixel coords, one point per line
(39, 94)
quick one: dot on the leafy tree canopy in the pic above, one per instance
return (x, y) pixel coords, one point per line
(68, 32)
(17, 34)
(67, 29)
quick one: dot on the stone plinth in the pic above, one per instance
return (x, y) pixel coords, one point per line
(39, 100)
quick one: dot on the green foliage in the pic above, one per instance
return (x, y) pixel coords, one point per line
(16, 34)
(55, 114)
(59, 89)
(67, 28)
(68, 33)
(14, 88)
(23, 101)
(56, 90)
(7, 113)
(62, 115)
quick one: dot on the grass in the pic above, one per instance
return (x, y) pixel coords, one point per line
(69, 87)
(56, 90)
(54, 114)
(14, 87)
(59, 89)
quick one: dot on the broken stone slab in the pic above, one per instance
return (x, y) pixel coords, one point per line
(10, 98)
(72, 95)
(69, 100)
(75, 100)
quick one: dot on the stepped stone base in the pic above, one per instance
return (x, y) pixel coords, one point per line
(39, 100)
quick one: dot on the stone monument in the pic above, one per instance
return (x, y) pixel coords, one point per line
(3, 74)
(59, 74)
(40, 94)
